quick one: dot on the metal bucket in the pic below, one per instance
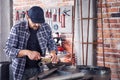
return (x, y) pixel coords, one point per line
(97, 72)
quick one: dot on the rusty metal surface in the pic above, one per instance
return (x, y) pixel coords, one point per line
(67, 77)
(46, 73)
(52, 68)
(80, 72)
(102, 33)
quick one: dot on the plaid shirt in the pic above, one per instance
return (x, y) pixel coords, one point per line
(18, 41)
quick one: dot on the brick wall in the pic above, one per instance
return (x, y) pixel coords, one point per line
(111, 34)
(111, 28)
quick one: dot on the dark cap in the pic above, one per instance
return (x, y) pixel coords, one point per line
(36, 14)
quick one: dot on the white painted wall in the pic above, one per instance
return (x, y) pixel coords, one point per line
(0, 28)
(4, 26)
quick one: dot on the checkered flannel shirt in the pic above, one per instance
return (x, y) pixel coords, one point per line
(18, 41)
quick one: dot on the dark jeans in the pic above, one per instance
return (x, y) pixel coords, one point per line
(31, 74)
(10, 72)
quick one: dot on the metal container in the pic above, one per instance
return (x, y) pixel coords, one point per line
(97, 72)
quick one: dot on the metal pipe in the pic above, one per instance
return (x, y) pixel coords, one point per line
(88, 30)
(92, 43)
(102, 33)
(82, 30)
(73, 26)
(88, 18)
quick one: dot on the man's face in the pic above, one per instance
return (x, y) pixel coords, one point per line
(33, 25)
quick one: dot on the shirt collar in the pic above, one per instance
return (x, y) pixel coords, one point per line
(26, 25)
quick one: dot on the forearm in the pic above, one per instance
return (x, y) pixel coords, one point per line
(33, 55)
(23, 53)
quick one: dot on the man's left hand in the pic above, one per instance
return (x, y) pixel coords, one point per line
(54, 58)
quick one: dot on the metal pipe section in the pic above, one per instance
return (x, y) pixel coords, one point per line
(73, 29)
(82, 30)
(102, 34)
(88, 31)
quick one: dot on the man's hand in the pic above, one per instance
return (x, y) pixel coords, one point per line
(33, 55)
(54, 58)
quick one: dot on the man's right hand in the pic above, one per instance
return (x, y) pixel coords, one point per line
(33, 55)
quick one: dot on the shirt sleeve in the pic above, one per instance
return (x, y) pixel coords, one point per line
(12, 42)
(51, 42)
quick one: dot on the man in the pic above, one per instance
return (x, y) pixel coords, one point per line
(27, 43)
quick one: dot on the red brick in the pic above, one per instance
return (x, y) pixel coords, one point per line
(100, 50)
(104, 35)
(114, 66)
(113, 31)
(115, 25)
(101, 59)
(113, 60)
(107, 45)
(101, 64)
(113, 70)
(110, 20)
(105, 25)
(67, 0)
(110, 50)
(107, 54)
(109, 10)
(110, 1)
(115, 75)
(104, 5)
(115, 4)
(113, 10)
(107, 15)
(99, 41)
(111, 41)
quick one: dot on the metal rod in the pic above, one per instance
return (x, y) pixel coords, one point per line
(86, 18)
(88, 31)
(102, 34)
(92, 43)
(82, 31)
(89, 42)
(91, 18)
(73, 26)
